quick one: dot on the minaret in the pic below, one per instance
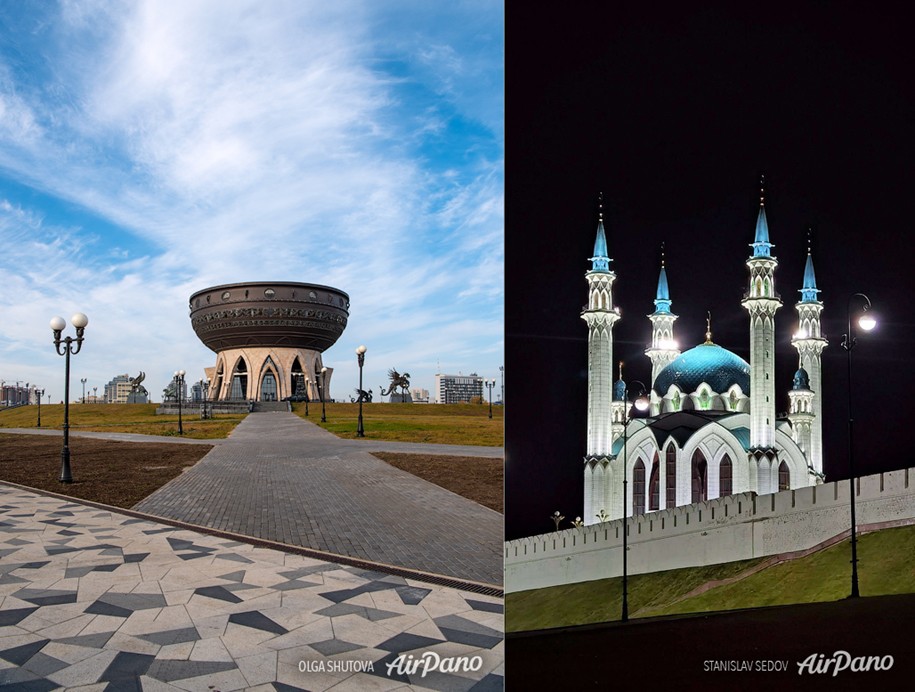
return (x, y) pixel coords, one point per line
(801, 411)
(809, 342)
(761, 301)
(663, 348)
(600, 316)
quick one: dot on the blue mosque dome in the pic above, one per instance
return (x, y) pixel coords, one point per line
(709, 363)
(801, 379)
(619, 390)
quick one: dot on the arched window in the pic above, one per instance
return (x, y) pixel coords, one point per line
(725, 477)
(638, 488)
(239, 380)
(654, 485)
(268, 387)
(671, 481)
(784, 477)
(699, 477)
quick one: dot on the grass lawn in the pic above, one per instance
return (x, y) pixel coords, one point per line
(460, 424)
(124, 418)
(886, 566)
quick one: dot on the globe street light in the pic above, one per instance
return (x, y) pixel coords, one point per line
(360, 355)
(640, 403)
(322, 385)
(489, 385)
(179, 383)
(58, 324)
(83, 380)
(867, 323)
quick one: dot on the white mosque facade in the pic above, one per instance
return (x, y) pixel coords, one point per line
(711, 429)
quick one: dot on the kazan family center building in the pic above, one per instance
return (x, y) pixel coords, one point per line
(712, 429)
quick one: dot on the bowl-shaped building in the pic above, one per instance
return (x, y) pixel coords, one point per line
(268, 337)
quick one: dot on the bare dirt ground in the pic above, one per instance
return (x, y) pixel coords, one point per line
(477, 479)
(114, 473)
(123, 473)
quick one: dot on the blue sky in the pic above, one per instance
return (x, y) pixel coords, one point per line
(153, 148)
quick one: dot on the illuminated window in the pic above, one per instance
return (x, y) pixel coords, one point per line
(671, 482)
(638, 488)
(784, 477)
(654, 485)
(725, 478)
(699, 472)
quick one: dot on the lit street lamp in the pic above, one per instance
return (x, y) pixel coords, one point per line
(83, 380)
(179, 383)
(867, 323)
(322, 385)
(360, 355)
(640, 403)
(489, 385)
(58, 324)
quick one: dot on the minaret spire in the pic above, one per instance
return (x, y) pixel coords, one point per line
(810, 342)
(663, 348)
(600, 262)
(600, 316)
(761, 245)
(761, 302)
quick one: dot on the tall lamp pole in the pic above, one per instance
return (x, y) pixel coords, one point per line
(502, 373)
(71, 346)
(179, 383)
(489, 385)
(640, 403)
(323, 394)
(360, 355)
(83, 380)
(40, 393)
(867, 323)
(307, 385)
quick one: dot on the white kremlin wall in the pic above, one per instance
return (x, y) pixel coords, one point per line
(738, 527)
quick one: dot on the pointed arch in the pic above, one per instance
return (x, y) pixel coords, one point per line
(638, 488)
(725, 477)
(654, 485)
(784, 477)
(670, 484)
(699, 475)
(239, 379)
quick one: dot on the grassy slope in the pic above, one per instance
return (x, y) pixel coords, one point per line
(463, 424)
(126, 418)
(886, 566)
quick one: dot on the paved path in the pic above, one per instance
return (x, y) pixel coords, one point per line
(281, 478)
(98, 600)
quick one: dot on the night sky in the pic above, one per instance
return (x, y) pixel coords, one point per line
(674, 117)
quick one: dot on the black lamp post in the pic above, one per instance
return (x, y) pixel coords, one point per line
(641, 403)
(502, 373)
(307, 385)
(83, 380)
(360, 355)
(867, 323)
(40, 393)
(489, 385)
(179, 383)
(321, 386)
(79, 321)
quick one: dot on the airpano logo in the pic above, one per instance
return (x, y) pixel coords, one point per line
(842, 661)
(431, 661)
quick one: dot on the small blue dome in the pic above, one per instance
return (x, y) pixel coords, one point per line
(619, 390)
(709, 363)
(801, 379)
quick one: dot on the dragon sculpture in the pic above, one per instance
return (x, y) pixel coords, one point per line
(397, 380)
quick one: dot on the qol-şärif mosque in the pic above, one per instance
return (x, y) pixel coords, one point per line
(712, 429)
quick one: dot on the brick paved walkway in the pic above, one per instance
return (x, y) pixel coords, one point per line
(281, 478)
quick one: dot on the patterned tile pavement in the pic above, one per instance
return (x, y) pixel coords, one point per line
(94, 599)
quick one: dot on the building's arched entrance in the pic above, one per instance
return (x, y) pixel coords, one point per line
(268, 387)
